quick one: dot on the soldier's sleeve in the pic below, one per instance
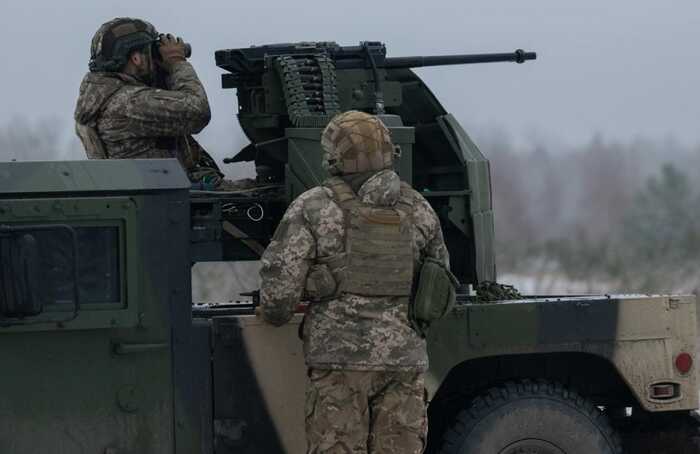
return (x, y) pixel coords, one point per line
(285, 263)
(181, 110)
(429, 223)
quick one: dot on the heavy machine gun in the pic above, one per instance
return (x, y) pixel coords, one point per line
(314, 65)
(286, 95)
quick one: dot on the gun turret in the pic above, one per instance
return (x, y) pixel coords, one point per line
(287, 93)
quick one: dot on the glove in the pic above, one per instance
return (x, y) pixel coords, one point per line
(172, 51)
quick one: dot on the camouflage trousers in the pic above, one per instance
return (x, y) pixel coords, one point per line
(365, 412)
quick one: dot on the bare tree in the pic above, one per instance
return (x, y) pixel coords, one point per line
(42, 140)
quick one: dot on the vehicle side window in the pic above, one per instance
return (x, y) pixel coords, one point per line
(98, 265)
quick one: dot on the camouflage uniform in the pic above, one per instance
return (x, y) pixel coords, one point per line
(119, 116)
(365, 361)
(365, 412)
(134, 120)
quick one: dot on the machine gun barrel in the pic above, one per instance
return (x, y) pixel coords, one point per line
(519, 56)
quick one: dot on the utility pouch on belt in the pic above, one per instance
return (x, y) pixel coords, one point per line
(320, 283)
(435, 295)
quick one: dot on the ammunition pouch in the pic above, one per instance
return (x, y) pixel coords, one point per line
(320, 283)
(435, 295)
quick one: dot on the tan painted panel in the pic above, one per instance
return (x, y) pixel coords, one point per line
(645, 359)
(278, 361)
(643, 319)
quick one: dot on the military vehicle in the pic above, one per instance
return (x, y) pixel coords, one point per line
(102, 350)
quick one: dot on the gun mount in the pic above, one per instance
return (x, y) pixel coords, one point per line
(287, 93)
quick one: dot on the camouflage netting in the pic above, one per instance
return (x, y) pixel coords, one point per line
(487, 292)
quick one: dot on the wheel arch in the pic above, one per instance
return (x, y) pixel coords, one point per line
(592, 376)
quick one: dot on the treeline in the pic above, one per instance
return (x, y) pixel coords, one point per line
(41, 140)
(604, 217)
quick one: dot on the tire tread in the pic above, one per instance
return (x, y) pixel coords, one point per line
(495, 397)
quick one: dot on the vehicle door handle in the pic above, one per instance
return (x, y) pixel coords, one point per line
(131, 349)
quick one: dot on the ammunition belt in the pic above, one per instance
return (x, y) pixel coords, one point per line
(310, 88)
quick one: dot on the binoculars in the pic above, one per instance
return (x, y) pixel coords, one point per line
(156, 43)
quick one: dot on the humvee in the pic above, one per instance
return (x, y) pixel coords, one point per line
(103, 351)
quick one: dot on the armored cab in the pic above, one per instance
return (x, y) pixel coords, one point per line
(97, 345)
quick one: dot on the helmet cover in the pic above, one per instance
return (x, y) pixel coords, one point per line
(116, 39)
(355, 142)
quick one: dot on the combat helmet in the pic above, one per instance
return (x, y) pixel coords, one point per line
(356, 142)
(116, 39)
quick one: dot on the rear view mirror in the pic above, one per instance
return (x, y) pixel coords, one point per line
(20, 278)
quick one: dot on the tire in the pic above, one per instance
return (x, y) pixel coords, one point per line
(530, 417)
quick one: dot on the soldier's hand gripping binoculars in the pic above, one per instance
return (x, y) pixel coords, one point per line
(156, 45)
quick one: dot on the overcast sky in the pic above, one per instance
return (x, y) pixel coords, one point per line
(621, 68)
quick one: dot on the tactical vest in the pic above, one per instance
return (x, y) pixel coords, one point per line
(94, 147)
(378, 257)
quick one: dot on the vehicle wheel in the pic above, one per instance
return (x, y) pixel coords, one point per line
(531, 417)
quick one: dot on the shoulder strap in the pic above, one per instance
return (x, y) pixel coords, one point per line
(406, 199)
(343, 194)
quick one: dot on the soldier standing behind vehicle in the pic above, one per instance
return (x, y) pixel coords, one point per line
(142, 99)
(352, 246)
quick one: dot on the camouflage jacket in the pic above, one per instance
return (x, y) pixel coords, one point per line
(351, 331)
(134, 120)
